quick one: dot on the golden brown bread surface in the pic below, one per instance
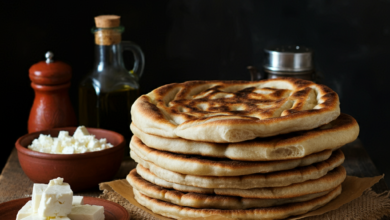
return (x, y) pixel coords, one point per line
(201, 200)
(206, 184)
(298, 144)
(325, 183)
(278, 212)
(234, 111)
(207, 166)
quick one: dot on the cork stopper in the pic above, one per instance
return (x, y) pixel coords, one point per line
(108, 32)
(107, 21)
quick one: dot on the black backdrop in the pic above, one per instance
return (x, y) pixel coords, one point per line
(207, 39)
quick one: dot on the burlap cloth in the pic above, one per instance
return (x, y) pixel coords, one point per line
(368, 206)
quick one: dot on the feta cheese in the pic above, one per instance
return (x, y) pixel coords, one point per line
(68, 150)
(58, 181)
(80, 132)
(37, 192)
(81, 142)
(87, 212)
(37, 217)
(63, 135)
(78, 200)
(56, 201)
(34, 217)
(93, 144)
(25, 211)
(56, 147)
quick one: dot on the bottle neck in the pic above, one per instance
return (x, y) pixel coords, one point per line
(108, 56)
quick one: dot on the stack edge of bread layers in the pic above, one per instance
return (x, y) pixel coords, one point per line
(249, 150)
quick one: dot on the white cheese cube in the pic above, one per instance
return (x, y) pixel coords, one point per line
(45, 140)
(80, 132)
(78, 200)
(25, 211)
(34, 217)
(37, 217)
(37, 192)
(68, 150)
(94, 144)
(63, 135)
(56, 147)
(88, 138)
(103, 141)
(81, 149)
(87, 212)
(58, 181)
(56, 201)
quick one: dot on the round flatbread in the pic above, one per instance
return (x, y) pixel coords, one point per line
(331, 136)
(234, 111)
(279, 212)
(325, 183)
(206, 184)
(198, 165)
(199, 200)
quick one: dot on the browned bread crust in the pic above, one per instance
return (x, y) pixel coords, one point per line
(203, 184)
(201, 200)
(206, 166)
(298, 144)
(278, 212)
(234, 111)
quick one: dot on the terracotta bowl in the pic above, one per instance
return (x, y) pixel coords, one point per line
(81, 171)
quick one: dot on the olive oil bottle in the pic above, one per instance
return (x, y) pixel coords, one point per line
(107, 93)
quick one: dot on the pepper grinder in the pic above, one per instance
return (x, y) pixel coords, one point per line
(52, 107)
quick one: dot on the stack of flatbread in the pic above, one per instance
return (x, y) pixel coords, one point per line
(247, 150)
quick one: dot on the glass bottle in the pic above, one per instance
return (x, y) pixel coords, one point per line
(107, 93)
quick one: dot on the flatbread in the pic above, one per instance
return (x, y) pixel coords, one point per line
(198, 165)
(206, 184)
(325, 183)
(279, 212)
(234, 111)
(199, 200)
(331, 136)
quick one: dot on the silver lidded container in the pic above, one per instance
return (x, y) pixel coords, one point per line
(289, 61)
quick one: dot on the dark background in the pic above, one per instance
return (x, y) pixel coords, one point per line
(207, 39)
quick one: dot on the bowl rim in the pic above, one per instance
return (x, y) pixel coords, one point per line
(24, 150)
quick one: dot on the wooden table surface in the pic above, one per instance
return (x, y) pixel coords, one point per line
(15, 184)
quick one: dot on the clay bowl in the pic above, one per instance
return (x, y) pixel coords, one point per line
(81, 171)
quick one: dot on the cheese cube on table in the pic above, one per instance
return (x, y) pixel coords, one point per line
(78, 200)
(57, 181)
(37, 192)
(87, 212)
(56, 200)
(37, 217)
(25, 211)
(34, 216)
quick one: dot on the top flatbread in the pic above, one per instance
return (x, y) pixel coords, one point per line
(234, 111)
(298, 144)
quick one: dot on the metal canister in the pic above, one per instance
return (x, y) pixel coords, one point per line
(289, 61)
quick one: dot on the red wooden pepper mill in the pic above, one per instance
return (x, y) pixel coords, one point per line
(52, 107)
